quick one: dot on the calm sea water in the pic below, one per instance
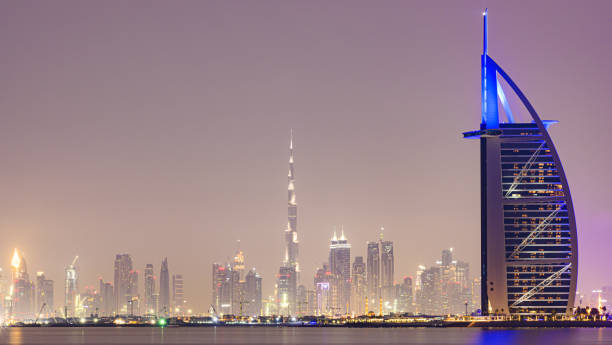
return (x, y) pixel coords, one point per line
(305, 336)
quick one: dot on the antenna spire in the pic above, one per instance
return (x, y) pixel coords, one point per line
(485, 38)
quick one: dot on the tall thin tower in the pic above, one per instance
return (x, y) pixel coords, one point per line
(289, 270)
(291, 236)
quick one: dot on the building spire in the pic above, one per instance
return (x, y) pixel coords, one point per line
(485, 38)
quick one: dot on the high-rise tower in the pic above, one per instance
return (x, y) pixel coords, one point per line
(164, 288)
(529, 249)
(289, 271)
(291, 236)
(123, 267)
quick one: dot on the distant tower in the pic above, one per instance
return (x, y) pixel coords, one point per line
(72, 288)
(358, 286)
(340, 266)
(288, 275)
(164, 288)
(291, 236)
(178, 294)
(373, 275)
(123, 268)
(44, 294)
(149, 285)
(387, 270)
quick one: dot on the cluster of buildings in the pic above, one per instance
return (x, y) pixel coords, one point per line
(236, 291)
(27, 299)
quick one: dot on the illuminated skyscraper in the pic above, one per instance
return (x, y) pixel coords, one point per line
(289, 272)
(529, 244)
(149, 285)
(387, 272)
(358, 286)
(222, 289)
(123, 267)
(164, 288)
(107, 298)
(253, 293)
(340, 266)
(22, 304)
(71, 288)
(178, 294)
(405, 296)
(373, 276)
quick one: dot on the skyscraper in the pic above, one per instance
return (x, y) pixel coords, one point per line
(387, 272)
(528, 229)
(358, 286)
(289, 271)
(44, 294)
(71, 288)
(322, 282)
(133, 296)
(107, 298)
(405, 296)
(222, 289)
(164, 288)
(253, 293)
(149, 285)
(22, 304)
(178, 294)
(373, 276)
(123, 267)
(340, 266)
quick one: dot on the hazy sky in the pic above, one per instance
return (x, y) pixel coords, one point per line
(161, 128)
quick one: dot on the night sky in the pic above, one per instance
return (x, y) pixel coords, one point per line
(161, 128)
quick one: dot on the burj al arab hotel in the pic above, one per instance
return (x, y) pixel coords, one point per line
(529, 245)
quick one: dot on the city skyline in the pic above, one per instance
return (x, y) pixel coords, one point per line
(81, 178)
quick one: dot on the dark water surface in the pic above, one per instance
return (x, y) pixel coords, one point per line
(306, 336)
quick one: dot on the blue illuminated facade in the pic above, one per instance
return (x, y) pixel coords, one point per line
(529, 259)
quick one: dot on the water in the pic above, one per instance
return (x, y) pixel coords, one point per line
(305, 336)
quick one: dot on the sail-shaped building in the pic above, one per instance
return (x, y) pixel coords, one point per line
(529, 259)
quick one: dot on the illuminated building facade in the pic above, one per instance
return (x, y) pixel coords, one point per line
(222, 289)
(528, 236)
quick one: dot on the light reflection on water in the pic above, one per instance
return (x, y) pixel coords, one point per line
(304, 336)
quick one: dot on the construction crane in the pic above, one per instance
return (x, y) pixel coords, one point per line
(40, 312)
(74, 261)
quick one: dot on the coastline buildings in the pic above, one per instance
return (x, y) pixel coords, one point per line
(529, 243)
(287, 282)
(233, 292)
